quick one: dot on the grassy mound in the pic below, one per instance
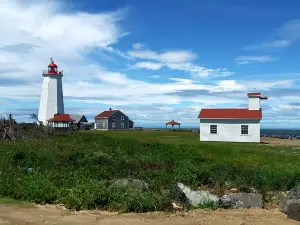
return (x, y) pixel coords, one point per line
(77, 169)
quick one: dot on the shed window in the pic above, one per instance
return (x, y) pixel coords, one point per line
(113, 117)
(244, 129)
(122, 117)
(122, 125)
(213, 129)
(113, 125)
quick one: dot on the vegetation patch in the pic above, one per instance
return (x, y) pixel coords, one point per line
(78, 169)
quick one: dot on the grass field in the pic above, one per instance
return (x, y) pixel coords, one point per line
(77, 169)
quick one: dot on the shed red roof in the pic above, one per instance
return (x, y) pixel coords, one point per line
(173, 123)
(230, 114)
(61, 118)
(106, 114)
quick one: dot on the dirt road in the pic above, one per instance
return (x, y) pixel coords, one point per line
(51, 215)
(277, 141)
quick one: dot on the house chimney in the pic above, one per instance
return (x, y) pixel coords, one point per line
(109, 109)
(254, 100)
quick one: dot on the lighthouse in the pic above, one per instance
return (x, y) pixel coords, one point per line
(51, 100)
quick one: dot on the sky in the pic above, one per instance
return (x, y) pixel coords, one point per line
(156, 60)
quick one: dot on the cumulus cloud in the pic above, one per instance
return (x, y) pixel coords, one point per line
(31, 33)
(35, 32)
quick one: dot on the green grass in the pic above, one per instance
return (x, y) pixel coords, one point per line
(77, 169)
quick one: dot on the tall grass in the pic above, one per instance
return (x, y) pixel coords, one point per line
(77, 169)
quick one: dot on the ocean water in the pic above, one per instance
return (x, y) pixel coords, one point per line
(280, 132)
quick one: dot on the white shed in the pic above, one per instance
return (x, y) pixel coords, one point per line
(232, 125)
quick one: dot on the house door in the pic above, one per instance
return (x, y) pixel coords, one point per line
(103, 125)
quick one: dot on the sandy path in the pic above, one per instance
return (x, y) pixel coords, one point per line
(277, 141)
(50, 215)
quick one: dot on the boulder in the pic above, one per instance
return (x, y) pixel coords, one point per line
(195, 198)
(132, 183)
(292, 194)
(241, 200)
(293, 209)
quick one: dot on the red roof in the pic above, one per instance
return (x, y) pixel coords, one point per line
(230, 114)
(106, 114)
(173, 123)
(254, 94)
(52, 64)
(61, 118)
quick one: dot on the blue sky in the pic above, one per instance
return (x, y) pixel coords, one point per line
(154, 60)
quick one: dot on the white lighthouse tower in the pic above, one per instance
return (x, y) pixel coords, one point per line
(52, 99)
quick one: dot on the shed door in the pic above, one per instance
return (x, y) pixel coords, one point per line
(103, 124)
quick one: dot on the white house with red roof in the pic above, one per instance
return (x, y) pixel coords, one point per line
(232, 125)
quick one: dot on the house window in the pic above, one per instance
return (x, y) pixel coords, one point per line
(213, 129)
(113, 117)
(122, 117)
(122, 125)
(244, 129)
(113, 125)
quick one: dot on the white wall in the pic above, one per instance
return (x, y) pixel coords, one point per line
(253, 103)
(51, 101)
(230, 130)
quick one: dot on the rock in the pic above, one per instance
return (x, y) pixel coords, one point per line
(292, 194)
(241, 200)
(133, 183)
(253, 190)
(247, 190)
(195, 198)
(228, 202)
(293, 209)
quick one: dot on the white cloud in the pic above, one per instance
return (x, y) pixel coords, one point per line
(290, 30)
(179, 56)
(32, 33)
(287, 35)
(196, 71)
(45, 31)
(148, 65)
(271, 44)
(254, 59)
(199, 71)
(155, 76)
(138, 46)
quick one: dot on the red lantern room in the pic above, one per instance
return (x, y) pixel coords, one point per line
(52, 69)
